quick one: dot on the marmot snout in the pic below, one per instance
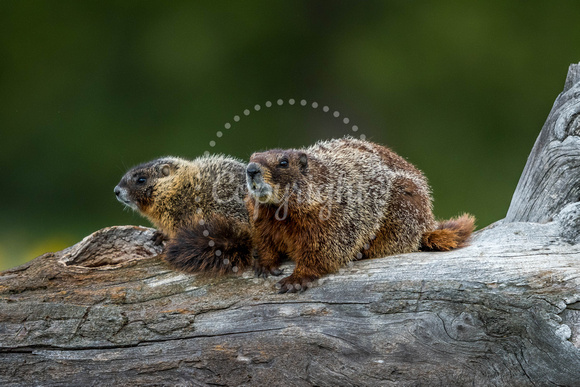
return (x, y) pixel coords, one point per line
(256, 183)
(136, 188)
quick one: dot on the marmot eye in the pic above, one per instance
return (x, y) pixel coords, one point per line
(141, 180)
(283, 163)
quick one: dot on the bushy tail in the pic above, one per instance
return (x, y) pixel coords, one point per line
(449, 234)
(217, 245)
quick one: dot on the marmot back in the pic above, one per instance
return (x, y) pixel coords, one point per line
(181, 198)
(338, 201)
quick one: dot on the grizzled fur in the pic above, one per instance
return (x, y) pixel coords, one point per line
(338, 201)
(181, 198)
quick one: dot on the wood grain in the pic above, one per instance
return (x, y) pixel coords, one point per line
(502, 311)
(551, 177)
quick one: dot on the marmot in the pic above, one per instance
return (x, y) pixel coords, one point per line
(338, 201)
(197, 206)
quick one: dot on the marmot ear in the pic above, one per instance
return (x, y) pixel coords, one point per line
(165, 169)
(302, 160)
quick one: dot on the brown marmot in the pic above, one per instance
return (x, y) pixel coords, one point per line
(197, 206)
(338, 201)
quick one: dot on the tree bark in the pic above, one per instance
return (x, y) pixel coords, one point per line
(503, 311)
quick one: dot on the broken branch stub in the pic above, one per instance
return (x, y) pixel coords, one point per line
(551, 177)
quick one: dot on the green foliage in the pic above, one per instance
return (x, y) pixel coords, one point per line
(90, 88)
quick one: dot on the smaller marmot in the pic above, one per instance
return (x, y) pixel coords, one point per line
(339, 201)
(197, 206)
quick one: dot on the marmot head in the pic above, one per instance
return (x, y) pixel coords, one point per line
(137, 188)
(273, 174)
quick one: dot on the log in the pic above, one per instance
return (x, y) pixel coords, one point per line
(503, 311)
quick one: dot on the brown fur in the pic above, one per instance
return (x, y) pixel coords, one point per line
(338, 201)
(449, 234)
(193, 203)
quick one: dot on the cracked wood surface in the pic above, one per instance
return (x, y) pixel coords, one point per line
(503, 311)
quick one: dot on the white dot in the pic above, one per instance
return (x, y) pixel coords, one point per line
(218, 253)
(268, 103)
(226, 261)
(366, 246)
(297, 286)
(257, 107)
(280, 102)
(235, 269)
(206, 153)
(246, 112)
(291, 101)
(336, 114)
(354, 128)
(314, 105)
(219, 134)
(363, 137)
(211, 243)
(303, 102)
(205, 233)
(227, 125)
(326, 109)
(236, 118)
(346, 120)
(201, 221)
(358, 255)
(199, 211)
(212, 143)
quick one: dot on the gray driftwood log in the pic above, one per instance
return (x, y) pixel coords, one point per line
(503, 311)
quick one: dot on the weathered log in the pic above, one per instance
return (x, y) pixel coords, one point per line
(503, 311)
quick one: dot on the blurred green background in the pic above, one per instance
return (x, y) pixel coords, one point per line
(91, 88)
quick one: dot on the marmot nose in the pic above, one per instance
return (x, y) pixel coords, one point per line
(117, 190)
(253, 170)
